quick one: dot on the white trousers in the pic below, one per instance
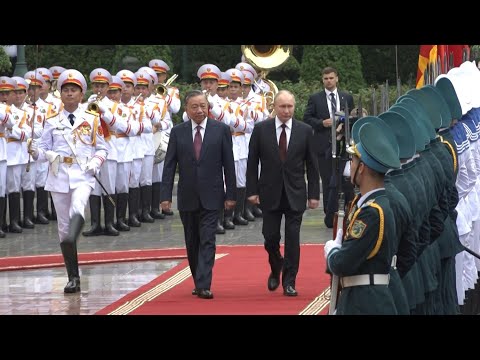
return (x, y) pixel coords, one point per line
(42, 172)
(147, 170)
(69, 204)
(3, 178)
(28, 177)
(14, 178)
(134, 180)
(157, 172)
(123, 176)
(241, 172)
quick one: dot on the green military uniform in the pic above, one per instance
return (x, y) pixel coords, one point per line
(364, 259)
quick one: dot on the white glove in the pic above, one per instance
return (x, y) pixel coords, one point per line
(54, 160)
(102, 107)
(33, 145)
(346, 171)
(93, 167)
(331, 244)
(211, 101)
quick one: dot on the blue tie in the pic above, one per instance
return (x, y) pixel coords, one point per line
(71, 117)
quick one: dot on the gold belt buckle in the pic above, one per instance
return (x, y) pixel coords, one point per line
(68, 160)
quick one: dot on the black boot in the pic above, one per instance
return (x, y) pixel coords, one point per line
(42, 206)
(70, 254)
(228, 220)
(238, 219)
(53, 214)
(3, 222)
(146, 194)
(3, 209)
(256, 211)
(155, 212)
(28, 197)
(122, 200)
(133, 194)
(247, 211)
(95, 208)
(109, 212)
(220, 228)
(14, 211)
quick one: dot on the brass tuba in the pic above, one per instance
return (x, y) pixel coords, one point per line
(265, 58)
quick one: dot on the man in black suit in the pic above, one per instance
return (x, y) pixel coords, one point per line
(318, 115)
(202, 148)
(285, 148)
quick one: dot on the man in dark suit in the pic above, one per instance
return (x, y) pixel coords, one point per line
(285, 148)
(318, 115)
(202, 148)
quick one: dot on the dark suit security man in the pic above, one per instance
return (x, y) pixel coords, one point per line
(202, 148)
(284, 146)
(317, 114)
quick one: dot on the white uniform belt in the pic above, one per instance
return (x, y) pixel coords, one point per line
(72, 160)
(365, 279)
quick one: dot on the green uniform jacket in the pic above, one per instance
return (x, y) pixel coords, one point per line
(366, 249)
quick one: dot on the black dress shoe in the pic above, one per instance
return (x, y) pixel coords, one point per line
(289, 291)
(273, 281)
(194, 291)
(167, 212)
(204, 294)
(72, 286)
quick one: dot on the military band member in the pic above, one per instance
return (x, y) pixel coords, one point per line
(73, 144)
(363, 259)
(56, 71)
(143, 110)
(244, 124)
(99, 82)
(173, 94)
(17, 132)
(37, 174)
(47, 93)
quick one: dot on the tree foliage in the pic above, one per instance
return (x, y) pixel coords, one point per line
(345, 58)
(5, 64)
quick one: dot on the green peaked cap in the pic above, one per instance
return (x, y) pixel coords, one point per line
(445, 87)
(420, 136)
(387, 131)
(427, 102)
(440, 103)
(402, 131)
(375, 150)
(423, 114)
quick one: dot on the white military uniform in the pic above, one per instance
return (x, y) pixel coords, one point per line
(76, 146)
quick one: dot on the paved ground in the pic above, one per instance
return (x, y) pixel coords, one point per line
(41, 291)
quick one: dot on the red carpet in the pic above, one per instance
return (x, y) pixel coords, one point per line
(239, 287)
(46, 261)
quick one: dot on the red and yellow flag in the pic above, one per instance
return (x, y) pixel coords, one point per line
(432, 53)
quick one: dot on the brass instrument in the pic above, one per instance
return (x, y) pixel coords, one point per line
(266, 58)
(162, 89)
(93, 105)
(54, 90)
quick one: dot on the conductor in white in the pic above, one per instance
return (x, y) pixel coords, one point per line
(73, 144)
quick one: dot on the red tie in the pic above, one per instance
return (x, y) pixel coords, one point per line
(197, 143)
(282, 144)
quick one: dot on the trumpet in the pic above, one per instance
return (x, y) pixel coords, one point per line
(206, 93)
(93, 105)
